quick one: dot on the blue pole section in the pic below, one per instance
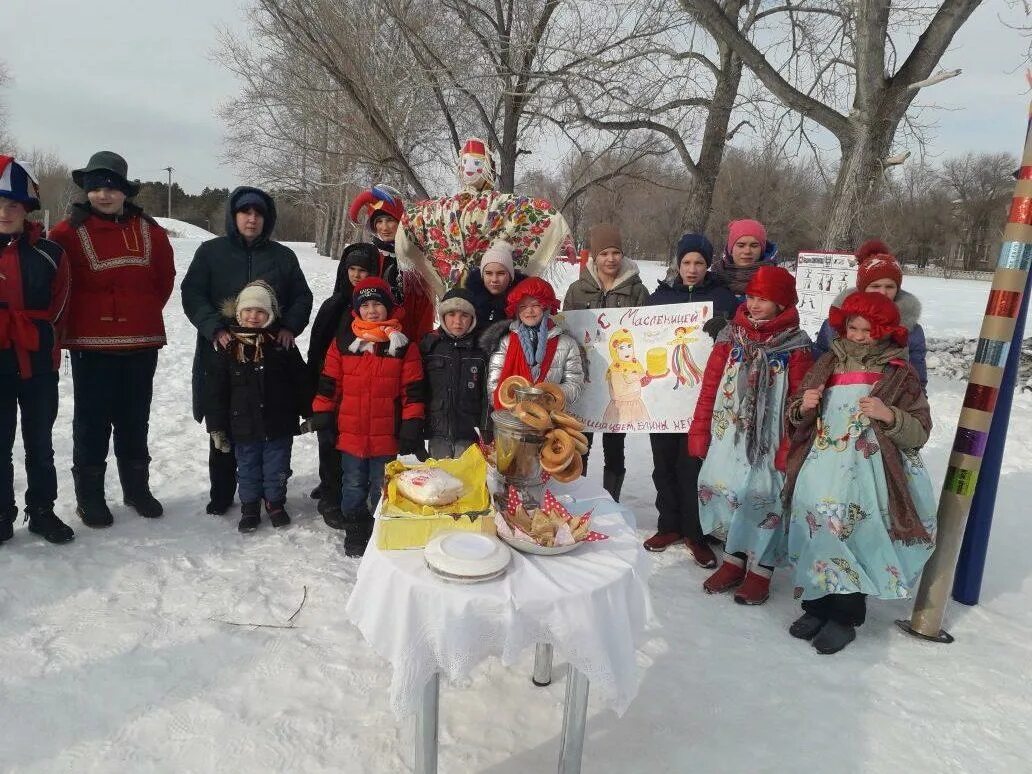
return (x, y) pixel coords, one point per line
(967, 582)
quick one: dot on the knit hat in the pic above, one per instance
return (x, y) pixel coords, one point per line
(18, 183)
(457, 300)
(250, 199)
(532, 287)
(694, 243)
(372, 289)
(361, 254)
(874, 262)
(878, 310)
(499, 252)
(737, 229)
(117, 176)
(258, 295)
(604, 236)
(774, 284)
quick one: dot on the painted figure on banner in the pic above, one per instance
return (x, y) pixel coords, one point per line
(626, 377)
(686, 370)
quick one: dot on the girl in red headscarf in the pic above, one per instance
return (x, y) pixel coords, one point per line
(862, 506)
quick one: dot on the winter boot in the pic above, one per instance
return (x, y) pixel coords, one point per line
(358, 529)
(806, 626)
(7, 524)
(44, 522)
(833, 637)
(278, 515)
(334, 518)
(91, 505)
(612, 482)
(250, 516)
(136, 493)
(701, 553)
(755, 590)
(219, 508)
(731, 573)
(316, 493)
(661, 541)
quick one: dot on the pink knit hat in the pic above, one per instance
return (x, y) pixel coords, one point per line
(737, 229)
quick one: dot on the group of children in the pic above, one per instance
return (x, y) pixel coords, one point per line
(814, 464)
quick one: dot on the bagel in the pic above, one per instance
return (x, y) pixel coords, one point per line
(532, 415)
(557, 451)
(566, 421)
(507, 390)
(555, 399)
(571, 472)
(580, 441)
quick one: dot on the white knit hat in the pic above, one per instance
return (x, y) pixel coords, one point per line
(499, 252)
(258, 295)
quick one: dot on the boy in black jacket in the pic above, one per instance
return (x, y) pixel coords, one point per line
(456, 375)
(256, 391)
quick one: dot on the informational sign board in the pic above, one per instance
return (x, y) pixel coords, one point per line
(645, 366)
(820, 277)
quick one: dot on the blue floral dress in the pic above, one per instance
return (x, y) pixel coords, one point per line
(839, 540)
(740, 503)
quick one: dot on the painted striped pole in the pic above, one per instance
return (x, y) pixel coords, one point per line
(980, 403)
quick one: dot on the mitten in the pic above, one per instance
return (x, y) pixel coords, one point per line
(220, 441)
(715, 325)
(410, 439)
(397, 340)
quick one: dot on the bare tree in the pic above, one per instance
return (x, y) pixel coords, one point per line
(846, 73)
(980, 188)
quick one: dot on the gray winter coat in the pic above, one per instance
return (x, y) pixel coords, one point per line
(567, 369)
(587, 293)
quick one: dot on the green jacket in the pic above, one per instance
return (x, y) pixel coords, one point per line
(587, 293)
(221, 268)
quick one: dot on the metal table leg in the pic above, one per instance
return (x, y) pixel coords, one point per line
(542, 664)
(427, 727)
(575, 716)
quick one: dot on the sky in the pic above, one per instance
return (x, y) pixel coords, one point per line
(139, 77)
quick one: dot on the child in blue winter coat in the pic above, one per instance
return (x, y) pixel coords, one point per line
(862, 505)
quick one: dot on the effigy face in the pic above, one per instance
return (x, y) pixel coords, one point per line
(475, 172)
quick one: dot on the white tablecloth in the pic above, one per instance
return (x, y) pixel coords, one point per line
(591, 604)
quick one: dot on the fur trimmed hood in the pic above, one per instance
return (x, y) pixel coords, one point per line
(907, 303)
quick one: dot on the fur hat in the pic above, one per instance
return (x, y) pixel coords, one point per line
(457, 300)
(257, 295)
(878, 310)
(372, 289)
(532, 287)
(737, 229)
(694, 243)
(604, 236)
(874, 262)
(499, 252)
(18, 183)
(774, 284)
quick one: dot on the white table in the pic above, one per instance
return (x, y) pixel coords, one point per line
(590, 606)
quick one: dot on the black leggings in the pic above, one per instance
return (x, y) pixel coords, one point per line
(612, 451)
(848, 609)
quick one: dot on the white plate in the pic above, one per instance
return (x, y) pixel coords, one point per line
(533, 548)
(466, 554)
(463, 578)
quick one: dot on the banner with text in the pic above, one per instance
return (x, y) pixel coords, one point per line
(645, 366)
(820, 277)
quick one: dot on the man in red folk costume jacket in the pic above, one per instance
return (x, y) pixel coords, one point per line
(122, 277)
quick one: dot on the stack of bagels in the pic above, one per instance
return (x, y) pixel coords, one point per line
(565, 441)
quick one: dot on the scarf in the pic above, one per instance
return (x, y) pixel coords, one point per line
(534, 341)
(516, 364)
(736, 277)
(376, 332)
(898, 387)
(248, 337)
(753, 381)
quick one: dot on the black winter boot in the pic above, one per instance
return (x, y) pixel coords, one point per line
(316, 494)
(7, 524)
(136, 493)
(358, 527)
(806, 626)
(91, 505)
(612, 482)
(334, 518)
(278, 515)
(44, 522)
(833, 637)
(250, 516)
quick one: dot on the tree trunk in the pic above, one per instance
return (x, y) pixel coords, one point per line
(859, 174)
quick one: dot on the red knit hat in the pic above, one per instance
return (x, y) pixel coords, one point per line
(774, 284)
(737, 229)
(372, 289)
(879, 311)
(874, 262)
(532, 287)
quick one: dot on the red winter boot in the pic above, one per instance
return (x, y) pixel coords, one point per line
(701, 553)
(728, 575)
(756, 588)
(661, 541)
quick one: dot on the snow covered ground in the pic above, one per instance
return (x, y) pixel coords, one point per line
(180, 229)
(116, 657)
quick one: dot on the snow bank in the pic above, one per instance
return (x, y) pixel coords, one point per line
(178, 229)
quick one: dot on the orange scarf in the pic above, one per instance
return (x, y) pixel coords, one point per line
(374, 331)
